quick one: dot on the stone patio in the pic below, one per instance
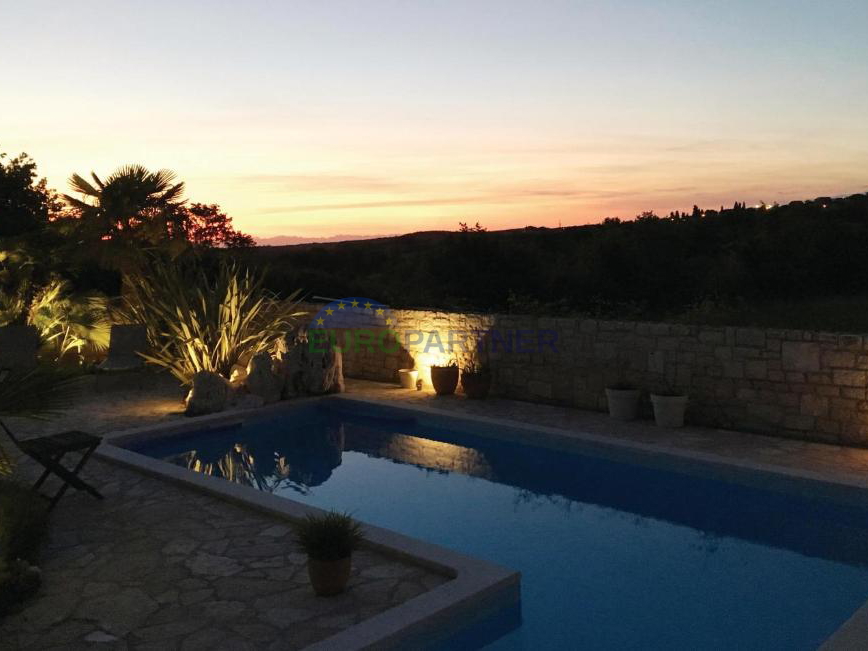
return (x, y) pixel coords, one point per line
(158, 566)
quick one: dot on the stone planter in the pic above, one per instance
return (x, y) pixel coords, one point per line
(623, 403)
(669, 410)
(444, 379)
(329, 578)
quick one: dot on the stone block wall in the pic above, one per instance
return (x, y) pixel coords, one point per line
(791, 383)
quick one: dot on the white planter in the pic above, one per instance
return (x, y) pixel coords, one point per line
(669, 410)
(623, 403)
(408, 378)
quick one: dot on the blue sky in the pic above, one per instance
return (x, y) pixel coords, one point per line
(316, 118)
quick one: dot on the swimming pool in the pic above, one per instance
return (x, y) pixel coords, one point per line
(613, 553)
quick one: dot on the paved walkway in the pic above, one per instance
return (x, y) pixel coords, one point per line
(157, 566)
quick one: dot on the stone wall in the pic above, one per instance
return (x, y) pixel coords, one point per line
(785, 382)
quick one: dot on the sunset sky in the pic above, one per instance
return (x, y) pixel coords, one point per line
(323, 117)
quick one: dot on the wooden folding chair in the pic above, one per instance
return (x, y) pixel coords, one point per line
(48, 451)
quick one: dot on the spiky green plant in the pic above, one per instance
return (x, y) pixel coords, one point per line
(329, 537)
(201, 323)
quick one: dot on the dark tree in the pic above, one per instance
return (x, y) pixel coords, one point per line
(463, 227)
(208, 226)
(25, 202)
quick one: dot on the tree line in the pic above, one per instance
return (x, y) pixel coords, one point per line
(649, 267)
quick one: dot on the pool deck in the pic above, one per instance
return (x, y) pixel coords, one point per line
(160, 566)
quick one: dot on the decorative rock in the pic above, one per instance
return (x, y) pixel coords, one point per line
(261, 379)
(209, 394)
(309, 369)
(238, 376)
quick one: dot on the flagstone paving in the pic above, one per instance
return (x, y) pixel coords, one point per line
(157, 566)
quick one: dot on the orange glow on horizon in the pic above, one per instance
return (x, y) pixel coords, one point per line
(313, 119)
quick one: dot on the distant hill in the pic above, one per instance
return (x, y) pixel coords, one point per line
(701, 263)
(289, 240)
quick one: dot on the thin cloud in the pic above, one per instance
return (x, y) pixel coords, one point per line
(318, 182)
(490, 198)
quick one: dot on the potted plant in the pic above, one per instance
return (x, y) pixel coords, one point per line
(329, 541)
(476, 380)
(669, 406)
(445, 378)
(623, 401)
(408, 378)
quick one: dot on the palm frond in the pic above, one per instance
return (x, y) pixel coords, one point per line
(163, 178)
(68, 324)
(82, 186)
(39, 393)
(173, 193)
(76, 203)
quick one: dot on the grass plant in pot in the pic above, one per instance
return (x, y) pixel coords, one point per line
(329, 541)
(445, 378)
(669, 406)
(476, 381)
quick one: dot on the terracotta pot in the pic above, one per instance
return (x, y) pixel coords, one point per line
(476, 385)
(669, 410)
(329, 578)
(623, 403)
(444, 379)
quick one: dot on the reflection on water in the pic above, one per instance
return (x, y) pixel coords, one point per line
(420, 452)
(303, 461)
(304, 455)
(299, 462)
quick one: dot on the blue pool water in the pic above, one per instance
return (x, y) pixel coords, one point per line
(613, 555)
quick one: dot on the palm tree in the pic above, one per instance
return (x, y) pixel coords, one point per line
(69, 323)
(131, 208)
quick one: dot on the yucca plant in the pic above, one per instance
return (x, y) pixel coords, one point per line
(201, 323)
